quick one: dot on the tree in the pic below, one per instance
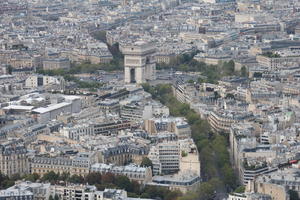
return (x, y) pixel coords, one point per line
(108, 178)
(173, 195)
(257, 75)
(124, 183)
(216, 94)
(76, 179)
(32, 177)
(93, 178)
(191, 81)
(293, 195)
(9, 69)
(244, 72)
(145, 196)
(229, 96)
(206, 190)
(229, 176)
(240, 189)
(56, 197)
(146, 162)
(51, 177)
(190, 196)
(15, 177)
(64, 176)
(136, 188)
(100, 35)
(228, 67)
(183, 154)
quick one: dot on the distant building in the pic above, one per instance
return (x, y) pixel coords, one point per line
(136, 173)
(34, 81)
(26, 191)
(109, 105)
(13, 158)
(177, 125)
(183, 182)
(165, 158)
(79, 165)
(219, 1)
(248, 196)
(88, 192)
(42, 191)
(72, 104)
(56, 63)
(16, 194)
(123, 154)
(222, 119)
(278, 183)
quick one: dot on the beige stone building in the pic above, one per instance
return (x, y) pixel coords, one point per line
(275, 63)
(164, 57)
(56, 63)
(21, 62)
(79, 165)
(123, 154)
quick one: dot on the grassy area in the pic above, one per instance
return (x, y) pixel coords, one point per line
(216, 169)
(271, 55)
(92, 85)
(213, 73)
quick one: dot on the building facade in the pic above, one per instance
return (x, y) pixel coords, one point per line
(165, 158)
(13, 158)
(135, 173)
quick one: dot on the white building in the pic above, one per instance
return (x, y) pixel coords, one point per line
(76, 131)
(34, 81)
(140, 174)
(72, 104)
(27, 190)
(15, 194)
(165, 158)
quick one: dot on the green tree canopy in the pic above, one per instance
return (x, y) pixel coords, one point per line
(146, 162)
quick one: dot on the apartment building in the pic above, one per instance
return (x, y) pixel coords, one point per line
(221, 119)
(109, 105)
(165, 158)
(164, 57)
(16, 194)
(177, 125)
(278, 62)
(56, 63)
(142, 175)
(183, 182)
(94, 56)
(87, 192)
(26, 191)
(111, 127)
(13, 158)
(79, 165)
(34, 81)
(276, 184)
(74, 132)
(123, 154)
(185, 93)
